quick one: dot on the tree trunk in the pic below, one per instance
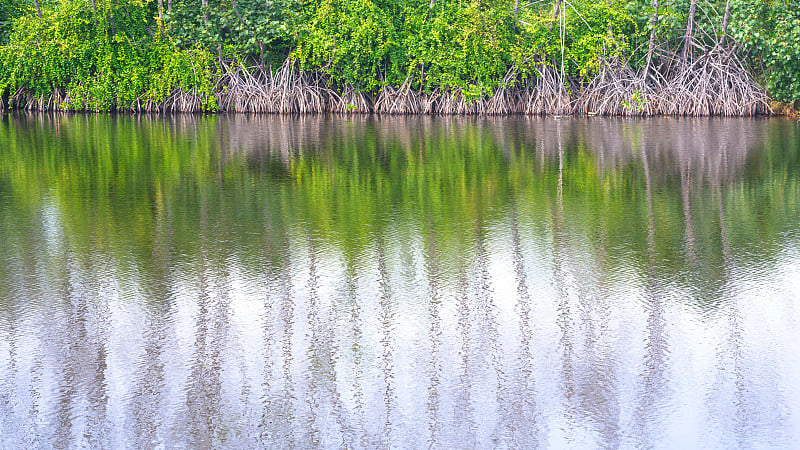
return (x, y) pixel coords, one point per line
(94, 13)
(236, 11)
(725, 19)
(111, 21)
(161, 15)
(652, 43)
(687, 40)
(204, 5)
(516, 8)
(38, 10)
(556, 12)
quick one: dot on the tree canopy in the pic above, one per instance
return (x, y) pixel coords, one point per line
(121, 54)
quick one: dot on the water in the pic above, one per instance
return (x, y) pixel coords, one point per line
(240, 282)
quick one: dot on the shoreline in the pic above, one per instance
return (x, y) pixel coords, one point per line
(503, 103)
(702, 89)
(785, 110)
(786, 114)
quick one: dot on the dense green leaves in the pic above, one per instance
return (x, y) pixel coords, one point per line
(10, 10)
(771, 30)
(468, 45)
(260, 29)
(73, 51)
(592, 30)
(356, 41)
(116, 54)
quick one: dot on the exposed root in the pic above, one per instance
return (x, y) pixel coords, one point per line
(715, 84)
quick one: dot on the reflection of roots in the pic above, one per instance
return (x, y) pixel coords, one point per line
(715, 84)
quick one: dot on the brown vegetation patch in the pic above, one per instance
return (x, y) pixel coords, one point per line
(785, 109)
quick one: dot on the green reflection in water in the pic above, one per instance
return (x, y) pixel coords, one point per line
(681, 199)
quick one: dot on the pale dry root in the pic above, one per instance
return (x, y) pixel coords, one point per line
(717, 83)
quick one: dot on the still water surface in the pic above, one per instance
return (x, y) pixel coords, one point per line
(240, 282)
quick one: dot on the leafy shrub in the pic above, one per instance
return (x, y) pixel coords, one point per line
(771, 31)
(10, 10)
(591, 30)
(72, 49)
(356, 41)
(257, 29)
(467, 46)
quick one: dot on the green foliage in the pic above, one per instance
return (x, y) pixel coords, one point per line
(247, 28)
(591, 30)
(355, 41)
(637, 101)
(114, 54)
(467, 46)
(671, 23)
(771, 31)
(72, 50)
(672, 17)
(10, 10)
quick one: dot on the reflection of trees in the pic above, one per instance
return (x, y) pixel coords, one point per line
(8, 332)
(452, 184)
(387, 320)
(148, 392)
(435, 363)
(587, 367)
(524, 403)
(564, 316)
(464, 410)
(82, 353)
(691, 249)
(18, 272)
(203, 401)
(355, 339)
(734, 339)
(343, 170)
(652, 388)
(277, 408)
(323, 396)
(67, 364)
(599, 360)
(730, 352)
(488, 337)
